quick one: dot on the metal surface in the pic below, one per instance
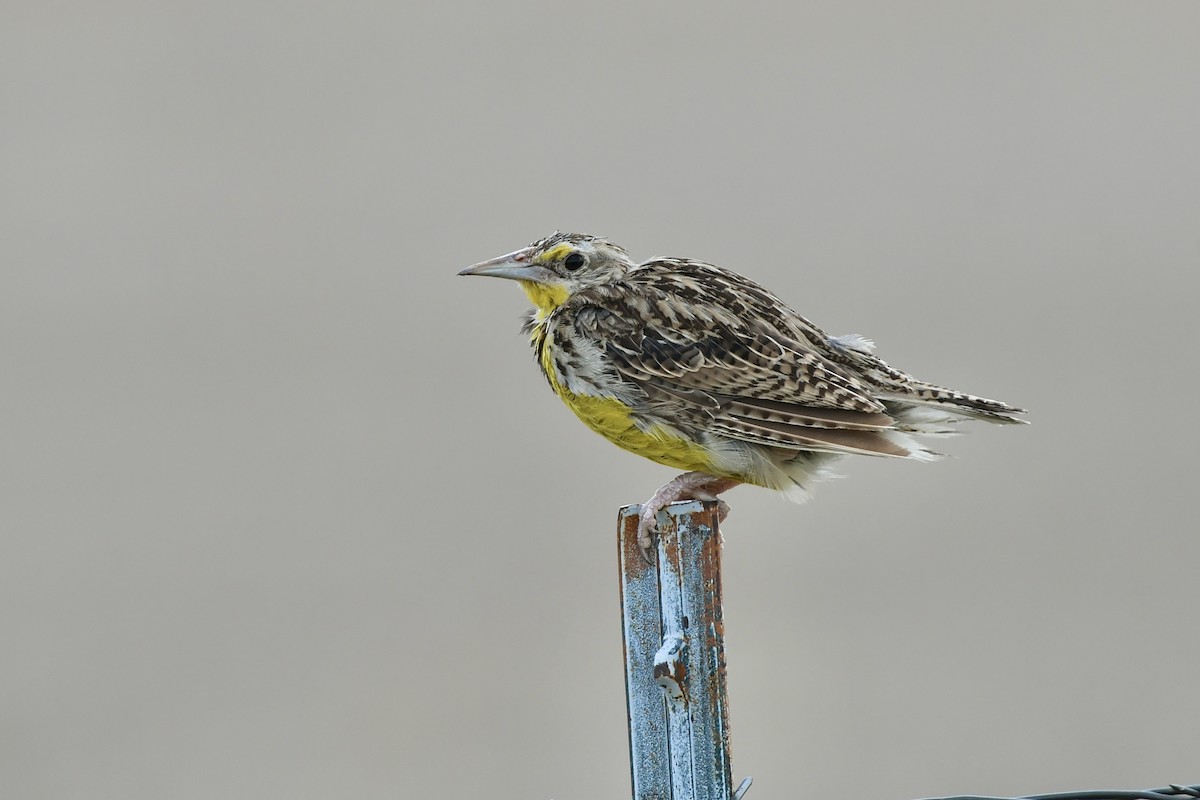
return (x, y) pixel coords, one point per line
(675, 657)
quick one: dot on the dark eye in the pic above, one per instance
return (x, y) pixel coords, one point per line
(573, 261)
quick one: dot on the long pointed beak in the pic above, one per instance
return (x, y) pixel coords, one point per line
(515, 266)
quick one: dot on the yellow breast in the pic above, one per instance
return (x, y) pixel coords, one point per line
(612, 419)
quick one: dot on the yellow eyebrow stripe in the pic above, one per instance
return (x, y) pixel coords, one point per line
(553, 254)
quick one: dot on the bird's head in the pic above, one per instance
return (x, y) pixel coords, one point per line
(552, 269)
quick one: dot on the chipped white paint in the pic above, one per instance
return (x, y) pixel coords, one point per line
(670, 671)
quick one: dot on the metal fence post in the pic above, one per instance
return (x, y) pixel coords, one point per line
(675, 657)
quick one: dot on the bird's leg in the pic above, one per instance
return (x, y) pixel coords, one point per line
(688, 486)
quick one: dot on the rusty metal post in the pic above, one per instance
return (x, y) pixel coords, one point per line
(675, 657)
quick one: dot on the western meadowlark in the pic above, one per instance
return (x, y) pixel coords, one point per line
(701, 369)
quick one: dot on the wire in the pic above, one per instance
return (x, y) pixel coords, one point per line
(1165, 793)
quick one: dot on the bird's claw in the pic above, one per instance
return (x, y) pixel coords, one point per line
(688, 486)
(647, 527)
(648, 522)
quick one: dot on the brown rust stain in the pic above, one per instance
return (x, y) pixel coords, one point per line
(710, 573)
(632, 563)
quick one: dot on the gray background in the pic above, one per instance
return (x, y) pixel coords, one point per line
(288, 512)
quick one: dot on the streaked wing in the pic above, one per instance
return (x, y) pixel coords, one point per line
(749, 366)
(730, 371)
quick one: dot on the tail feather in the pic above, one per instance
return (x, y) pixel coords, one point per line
(954, 406)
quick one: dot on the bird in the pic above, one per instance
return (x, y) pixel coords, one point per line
(701, 369)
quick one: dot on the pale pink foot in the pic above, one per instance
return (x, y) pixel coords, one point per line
(688, 486)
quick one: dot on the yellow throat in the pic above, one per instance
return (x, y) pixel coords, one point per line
(545, 296)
